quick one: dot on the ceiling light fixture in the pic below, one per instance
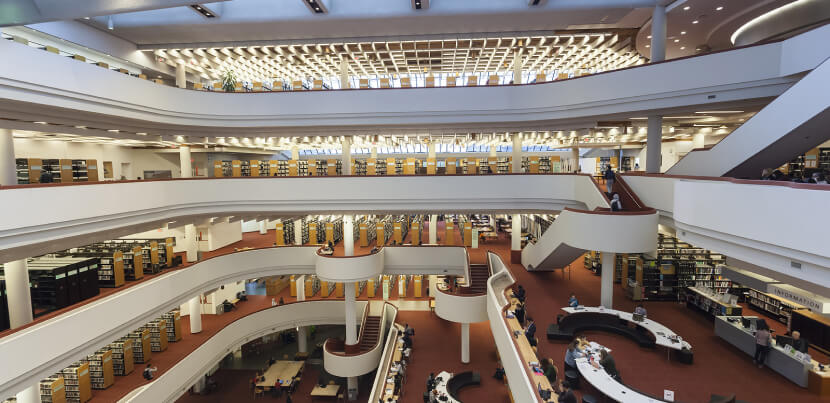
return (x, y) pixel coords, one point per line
(203, 11)
(695, 22)
(420, 4)
(682, 32)
(676, 40)
(686, 8)
(41, 123)
(113, 130)
(719, 8)
(316, 6)
(110, 25)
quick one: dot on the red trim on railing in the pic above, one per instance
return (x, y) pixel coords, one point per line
(807, 186)
(627, 194)
(645, 211)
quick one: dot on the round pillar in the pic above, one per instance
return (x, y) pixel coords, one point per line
(191, 243)
(348, 235)
(346, 161)
(465, 343)
(658, 34)
(195, 313)
(29, 395)
(185, 163)
(433, 229)
(18, 293)
(263, 229)
(654, 144)
(8, 168)
(351, 314)
(517, 153)
(607, 280)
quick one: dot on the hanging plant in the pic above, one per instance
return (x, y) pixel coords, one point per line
(229, 81)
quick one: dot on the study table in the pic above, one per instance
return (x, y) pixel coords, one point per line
(389, 385)
(526, 353)
(663, 336)
(328, 391)
(604, 383)
(441, 387)
(285, 371)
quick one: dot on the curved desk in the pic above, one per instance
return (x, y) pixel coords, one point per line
(441, 387)
(663, 336)
(607, 385)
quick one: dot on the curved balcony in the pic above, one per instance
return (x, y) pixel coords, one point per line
(344, 360)
(175, 381)
(40, 84)
(467, 302)
(30, 225)
(349, 268)
(577, 231)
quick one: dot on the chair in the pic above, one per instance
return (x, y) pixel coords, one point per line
(363, 83)
(572, 376)
(493, 80)
(406, 83)
(276, 86)
(589, 399)
(472, 81)
(259, 392)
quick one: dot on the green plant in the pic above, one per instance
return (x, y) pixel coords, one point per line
(229, 81)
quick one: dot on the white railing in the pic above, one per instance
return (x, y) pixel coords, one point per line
(365, 362)
(379, 385)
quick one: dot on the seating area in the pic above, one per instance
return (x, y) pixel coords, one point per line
(462, 380)
(570, 325)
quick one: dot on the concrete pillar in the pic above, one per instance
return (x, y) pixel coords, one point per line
(431, 150)
(493, 151)
(517, 67)
(195, 305)
(654, 144)
(433, 229)
(298, 232)
(516, 239)
(346, 159)
(373, 151)
(658, 34)
(517, 153)
(29, 395)
(351, 315)
(348, 235)
(263, 229)
(191, 243)
(295, 153)
(18, 293)
(465, 343)
(344, 73)
(575, 159)
(185, 163)
(351, 387)
(181, 80)
(699, 140)
(302, 333)
(607, 280)
(199, 386)
(8, 168)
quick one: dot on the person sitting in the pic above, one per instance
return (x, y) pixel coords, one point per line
(374, 250)
(242, 296)
(431, 381)
(46, 175)
(616, 204)
(571, 354)
(519, 294)
(819, 178)
(567, 395)
(408, 330)
(148, 372)
(572, 301)
(608, 364)
(519, 313)
(640, 310)
(407, 341)
(271, 361)
(499, 372)
(800, 344)
(550, 371)
(530, 330)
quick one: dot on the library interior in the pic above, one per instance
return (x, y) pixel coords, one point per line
(415, 201)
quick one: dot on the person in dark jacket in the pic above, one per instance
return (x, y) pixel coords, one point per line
(608, 175)
(608, 364)
(46, 176)
(567, 395)
(530, 330)
(520, 313)
(616, 204)
(520, 294)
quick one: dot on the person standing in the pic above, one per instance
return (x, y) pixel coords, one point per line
(46, 175)
(530, 329)
(762, 340)
(616, 204)
(608, 175)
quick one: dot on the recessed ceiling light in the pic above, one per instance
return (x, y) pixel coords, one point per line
(141, 134)
(682, 32)
(648, 46)
(719, 8)
(649, 37)
(113, 130)
(682, 47)
(686, 8)
(695, 22)
(80, 127)
(41, 123)
(676, 40)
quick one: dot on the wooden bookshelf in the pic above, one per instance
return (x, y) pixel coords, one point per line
(449, 233)
(101, 372)
(452, 166)
(391, 166)
(472, 166)
(331, 167)
(77, 383)
(52, 390)
(312, 233)
(158, 335)
(174, 326)
(275, 285)
(415, 233)
(410, 166)
(122, 357)
(142, 351)
(279, 229)
(218, 172)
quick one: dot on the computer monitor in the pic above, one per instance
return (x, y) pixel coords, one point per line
(746, 322)
(637, 317)
(783, 340)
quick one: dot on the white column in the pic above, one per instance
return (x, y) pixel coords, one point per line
(351, 315)
(184, 161)
(181, 80)
(348, 235)
(431, 150)
(18, 293)
(191, 244)
(199, 386)
(302, 334)
(346, 159)
(433, 229)
(493, 151)
(8, 168)
(295, 153)
(195, 305)
(654, 144)
(575, 159)
(298, 232)
(658, 34)
(516, 233)
(373, 151)
(699, 140)
(351, 387)
(344, 73)
(263, 229)
(517, 67)
(607, 281)
(29, 395)
(465, 343)
(517, 153)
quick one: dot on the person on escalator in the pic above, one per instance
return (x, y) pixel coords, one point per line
(616, 204)
(609, 177)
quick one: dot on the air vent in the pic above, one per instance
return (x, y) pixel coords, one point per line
(203, 11)
(533, 3)
(316, 6)
(795, 265)
(420, 4)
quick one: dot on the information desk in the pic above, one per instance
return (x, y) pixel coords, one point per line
(604, 383)
(441, 387)
(285, 371)
(777, 359)
(526, 352)
(663, 336)
(710, 303)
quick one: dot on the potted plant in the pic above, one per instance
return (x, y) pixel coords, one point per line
(229, 81)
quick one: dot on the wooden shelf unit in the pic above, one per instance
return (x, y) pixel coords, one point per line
(122, 357)
(77, 382)
(142, 351)
(174, 325)
(52, 389)
(101, 371)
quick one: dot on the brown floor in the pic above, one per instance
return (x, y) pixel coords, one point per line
(718, 367)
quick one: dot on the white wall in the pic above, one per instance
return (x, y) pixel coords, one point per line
(225, 292)
(250, 226)
(223, 233)
(672, 152)
(175, 232)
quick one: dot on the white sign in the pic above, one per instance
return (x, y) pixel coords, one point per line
(668, 395)
(815, 302)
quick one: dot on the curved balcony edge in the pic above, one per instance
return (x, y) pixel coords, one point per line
(349, 268)
(345, 363)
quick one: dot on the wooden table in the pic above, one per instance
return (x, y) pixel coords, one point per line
(526, 352)
(282, 370)
(488, 235)
(325, 391)
(396, 359)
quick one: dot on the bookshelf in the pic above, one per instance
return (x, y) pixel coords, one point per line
(22, 169)
(52, 389)
(77, 382)
(122, 357)
(101, 372)
(773, 306)
(158, 335)
(142, 351)
(174, 325)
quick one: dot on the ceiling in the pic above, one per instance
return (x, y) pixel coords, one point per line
(567, 51)
(18, 12)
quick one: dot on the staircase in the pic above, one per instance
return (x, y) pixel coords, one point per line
(479, 273)
(370, 333)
